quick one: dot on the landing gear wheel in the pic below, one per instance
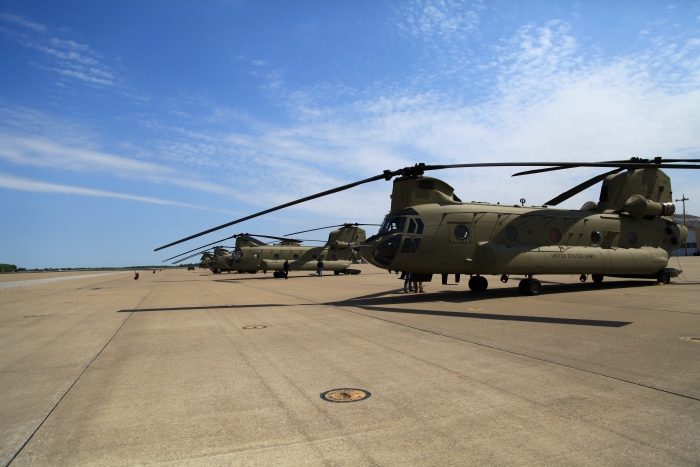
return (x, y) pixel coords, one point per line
(478, 284)
(276, 274)
(583, 278)
(598, 278)
(663, 277)
(530, 287)
(218, 271)
(337, 273)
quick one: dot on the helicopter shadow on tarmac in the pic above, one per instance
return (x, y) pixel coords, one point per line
(502, 317)
(394, 297)
(210, 307)
(385, 301)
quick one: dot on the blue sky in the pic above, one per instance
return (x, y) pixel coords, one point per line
(127, 125)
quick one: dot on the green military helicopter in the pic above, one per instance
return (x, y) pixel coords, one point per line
(252, 255)
(629, 232)
(213, 259)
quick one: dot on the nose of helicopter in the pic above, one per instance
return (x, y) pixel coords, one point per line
(380, 250)
(366, 251)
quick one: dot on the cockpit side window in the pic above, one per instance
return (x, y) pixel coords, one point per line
(393, 225)
(411, 227)
(415, 226)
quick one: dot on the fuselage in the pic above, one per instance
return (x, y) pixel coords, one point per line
(272, 258)
(481, 238)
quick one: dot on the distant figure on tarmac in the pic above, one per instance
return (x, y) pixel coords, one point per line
(319, 268)
(286, 268)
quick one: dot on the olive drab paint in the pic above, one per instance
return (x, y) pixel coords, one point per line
(338, 253)
(630, 232)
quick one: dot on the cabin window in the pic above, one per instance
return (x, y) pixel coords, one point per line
(596, 237)
(276, 256)
(295, 256)
(555, 235)
(333, 257)
(255, 255)
(632, 238)
(462, 232)
(313, 256)
(512, 233)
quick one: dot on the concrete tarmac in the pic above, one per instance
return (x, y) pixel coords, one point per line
(108, 370)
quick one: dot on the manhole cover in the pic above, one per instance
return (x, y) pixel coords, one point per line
(345, 395)
(694, 339)
(256, 326)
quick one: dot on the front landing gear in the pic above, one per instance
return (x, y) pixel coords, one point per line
(530, 287)
(478, 283)
(663, 277)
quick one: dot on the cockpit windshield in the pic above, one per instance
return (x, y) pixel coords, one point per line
(393, 225)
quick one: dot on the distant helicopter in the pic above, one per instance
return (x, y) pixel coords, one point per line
(629, 232)
(219, 262)
(216, 262)
(252, 255)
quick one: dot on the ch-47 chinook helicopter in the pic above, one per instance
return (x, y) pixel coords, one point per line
(629, 232)
(252, 255)
(216, 262)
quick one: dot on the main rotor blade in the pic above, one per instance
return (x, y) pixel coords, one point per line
(652, 161)
(330, 226)
(566, 165)
(277, 208)
(188, 257)
(579, 188)
(203, 246)
(283, 239)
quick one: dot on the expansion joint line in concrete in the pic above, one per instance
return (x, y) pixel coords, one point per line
(544, 360)
(81, 375)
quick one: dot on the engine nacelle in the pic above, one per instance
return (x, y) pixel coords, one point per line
(639, 207)
(339, 245)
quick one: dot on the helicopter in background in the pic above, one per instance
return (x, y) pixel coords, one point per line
(629, 232)
(213, 259)
(252, 255)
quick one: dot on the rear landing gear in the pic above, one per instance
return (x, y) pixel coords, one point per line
(530, 287)
(597, 278)
(478, 283)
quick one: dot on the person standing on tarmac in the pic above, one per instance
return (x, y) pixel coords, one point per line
(407, 284)
(319, 268)
(286, 268)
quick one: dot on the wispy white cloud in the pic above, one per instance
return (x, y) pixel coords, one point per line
(22, 22)
(24, 184)
(448, 29)
(68, 59)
